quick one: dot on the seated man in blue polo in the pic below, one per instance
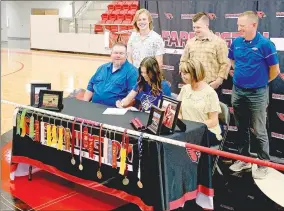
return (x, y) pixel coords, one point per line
(114, 80)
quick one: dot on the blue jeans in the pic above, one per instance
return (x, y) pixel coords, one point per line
(250, 110)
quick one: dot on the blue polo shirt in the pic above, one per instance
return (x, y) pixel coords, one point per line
(108, 87)
(144, 98)
(252, 61)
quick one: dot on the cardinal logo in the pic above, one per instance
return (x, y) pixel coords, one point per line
(260, 14)
(169, 15)
(211, 16)
(193, 154)
(280, 115)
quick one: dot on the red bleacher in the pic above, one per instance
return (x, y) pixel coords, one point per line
(118, 12)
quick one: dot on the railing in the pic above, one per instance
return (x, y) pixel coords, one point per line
(66, 25)
(83, 8)
(156, 138)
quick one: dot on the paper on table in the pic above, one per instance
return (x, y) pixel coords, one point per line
(132, 109)
(115, 111)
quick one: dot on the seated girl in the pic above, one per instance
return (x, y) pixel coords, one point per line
(199, 101)
(149, 88)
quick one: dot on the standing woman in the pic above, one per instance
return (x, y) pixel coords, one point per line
(144, 42)
(149, 88)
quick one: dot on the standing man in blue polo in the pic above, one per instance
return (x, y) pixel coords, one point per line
(114, 80)
(255, 62)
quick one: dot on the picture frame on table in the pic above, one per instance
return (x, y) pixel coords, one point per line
(50, 100)
(35, 89)
(171, 108)
(155, 120)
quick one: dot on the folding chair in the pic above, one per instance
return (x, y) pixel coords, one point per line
(224, 119)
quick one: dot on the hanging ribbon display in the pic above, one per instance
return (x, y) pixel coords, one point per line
(67, 137)
(140, 145)
(54, 138)
(31, 129)
(81, 143)
(73, 143)
(60, 137)
(48, 134)
(99, 173)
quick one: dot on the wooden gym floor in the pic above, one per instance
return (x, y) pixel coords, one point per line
(20, 67)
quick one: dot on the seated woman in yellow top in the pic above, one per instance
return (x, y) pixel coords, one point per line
(199, 101)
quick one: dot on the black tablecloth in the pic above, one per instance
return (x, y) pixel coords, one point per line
(168, 172)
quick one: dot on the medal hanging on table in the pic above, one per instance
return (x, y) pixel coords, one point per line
(81, 143)
(54, 135)
(18, 127)
(37, 127)
(73, 143)
(122, 155)
(114, 153)
(31, 129)
(105, 148)
(125, 181)
(27, 120)
(123, 152)
(42, 132)
(85, 137)
(91, 144)
(109, 149)
(99, 173)
(140, 145)
(23, 122)
(67, 137)
(48, 134)
(60, 136)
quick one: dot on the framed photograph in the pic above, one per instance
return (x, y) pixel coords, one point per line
(35, 88)
(50, 100)
(171, 109)
(155, 120)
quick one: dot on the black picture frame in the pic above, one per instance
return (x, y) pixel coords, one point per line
(155, 120)
(171, 108)
(35, 89)
(50, 100)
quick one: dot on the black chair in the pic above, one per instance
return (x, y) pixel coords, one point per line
(224, 119)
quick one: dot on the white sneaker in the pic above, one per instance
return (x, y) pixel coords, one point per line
(239, 166)
(260, 173)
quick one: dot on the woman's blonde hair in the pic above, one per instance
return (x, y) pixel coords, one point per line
(194, 68)
(136, 17)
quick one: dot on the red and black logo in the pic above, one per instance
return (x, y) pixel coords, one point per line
(260, 14)
(193, 154)
(280, 115)
(211, 16)
(169, 15)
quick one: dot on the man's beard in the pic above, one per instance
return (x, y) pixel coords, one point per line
(117, 64)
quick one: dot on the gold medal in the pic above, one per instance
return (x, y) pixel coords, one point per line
(125, 181)
(99, 174)
(81, 167)
(139, 183)
(73, 161)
